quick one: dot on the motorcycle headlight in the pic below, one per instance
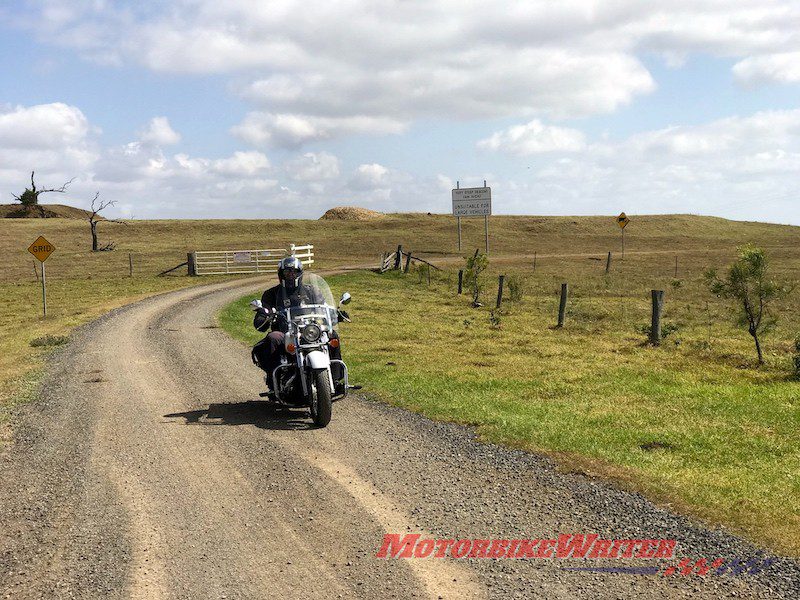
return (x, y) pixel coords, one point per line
(311, 333)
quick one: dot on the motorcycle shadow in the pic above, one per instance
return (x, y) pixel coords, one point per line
(263, 415)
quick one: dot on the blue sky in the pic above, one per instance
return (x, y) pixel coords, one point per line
(250, 109)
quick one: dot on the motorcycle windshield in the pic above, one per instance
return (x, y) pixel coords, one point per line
(322, 292)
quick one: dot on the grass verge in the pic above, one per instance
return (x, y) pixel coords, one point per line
(689, 423)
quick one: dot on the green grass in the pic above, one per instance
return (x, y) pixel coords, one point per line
(691, 423)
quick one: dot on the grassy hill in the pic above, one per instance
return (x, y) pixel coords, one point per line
(42, 211)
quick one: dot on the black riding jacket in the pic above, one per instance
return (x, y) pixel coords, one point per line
(276, 297)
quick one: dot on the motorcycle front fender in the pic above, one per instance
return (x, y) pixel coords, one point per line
(317, 359)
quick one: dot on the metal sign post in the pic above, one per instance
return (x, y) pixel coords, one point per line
(622, 221)
(473, 202)
(458, 185)
(486, 222)
(42, 249)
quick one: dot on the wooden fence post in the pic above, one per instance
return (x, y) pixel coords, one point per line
(676, 266)
(608, 263)
(398, 258)
(192, 263)
(460, 280)
(562, 305)
(534, 261)
(130, 265)
(655, 323)
(408, 262)
(500, 290)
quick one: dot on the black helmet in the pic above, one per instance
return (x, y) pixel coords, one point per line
(290, 273)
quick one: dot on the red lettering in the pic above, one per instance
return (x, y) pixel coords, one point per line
(424, 548)
(600, 549)
(645, 548)
(666, 549)
(395, 548)
(498, 548)
(442, 547)
(576, 546)
(479, 549)
(526, 549)
(546, 549)
(461, 548)
(627, 547)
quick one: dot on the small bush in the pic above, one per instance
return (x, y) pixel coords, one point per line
(423, 272)
(495, 320)
(667, 329)
(516, 288)
(49, 340)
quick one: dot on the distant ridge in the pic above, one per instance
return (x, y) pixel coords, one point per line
(42, 211)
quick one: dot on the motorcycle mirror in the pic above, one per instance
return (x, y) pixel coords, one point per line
(345, 298)
(255, 304)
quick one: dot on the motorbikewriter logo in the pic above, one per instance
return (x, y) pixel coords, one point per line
(566, 546)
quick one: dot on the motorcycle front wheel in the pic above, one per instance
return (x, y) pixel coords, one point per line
(321, 402)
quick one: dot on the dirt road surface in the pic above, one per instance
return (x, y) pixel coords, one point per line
(149, 468)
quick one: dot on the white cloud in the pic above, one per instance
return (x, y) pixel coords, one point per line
(736, 166)
(242, 164)
(369, 176)
(291, 130)
(363, 67)
(783, 67)
(533, 138)
(41, 127)
(313, 167)
(159, 133)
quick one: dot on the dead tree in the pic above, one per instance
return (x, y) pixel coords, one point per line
(30, 197)
(95, 218)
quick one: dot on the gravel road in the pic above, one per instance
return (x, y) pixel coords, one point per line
(149, 468)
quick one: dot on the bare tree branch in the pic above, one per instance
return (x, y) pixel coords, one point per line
(31, 195)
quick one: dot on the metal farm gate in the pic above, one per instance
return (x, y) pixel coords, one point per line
(243, 262)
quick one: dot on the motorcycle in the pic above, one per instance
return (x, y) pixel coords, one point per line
(304, 378)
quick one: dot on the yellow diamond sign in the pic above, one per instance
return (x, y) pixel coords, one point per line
(41, 248)
(622, 220)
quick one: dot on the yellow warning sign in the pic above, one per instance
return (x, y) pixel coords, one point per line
(41, 248)
(623, 220)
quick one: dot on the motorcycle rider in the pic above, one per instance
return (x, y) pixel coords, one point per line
(290, 292)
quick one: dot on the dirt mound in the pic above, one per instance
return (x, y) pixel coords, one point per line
(351, 213)
(42, 211)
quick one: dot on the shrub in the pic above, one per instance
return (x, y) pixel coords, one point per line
(516, 288)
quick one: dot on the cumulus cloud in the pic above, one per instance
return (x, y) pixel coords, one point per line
(370, 176)
(291, 130)
(361, 67)
(742, 166)
(159, 133)
(44, 126)
(783, 67)
(313, 167)
(55, 140)
(533, 138)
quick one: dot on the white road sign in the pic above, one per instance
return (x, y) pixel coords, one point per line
(472, 202)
